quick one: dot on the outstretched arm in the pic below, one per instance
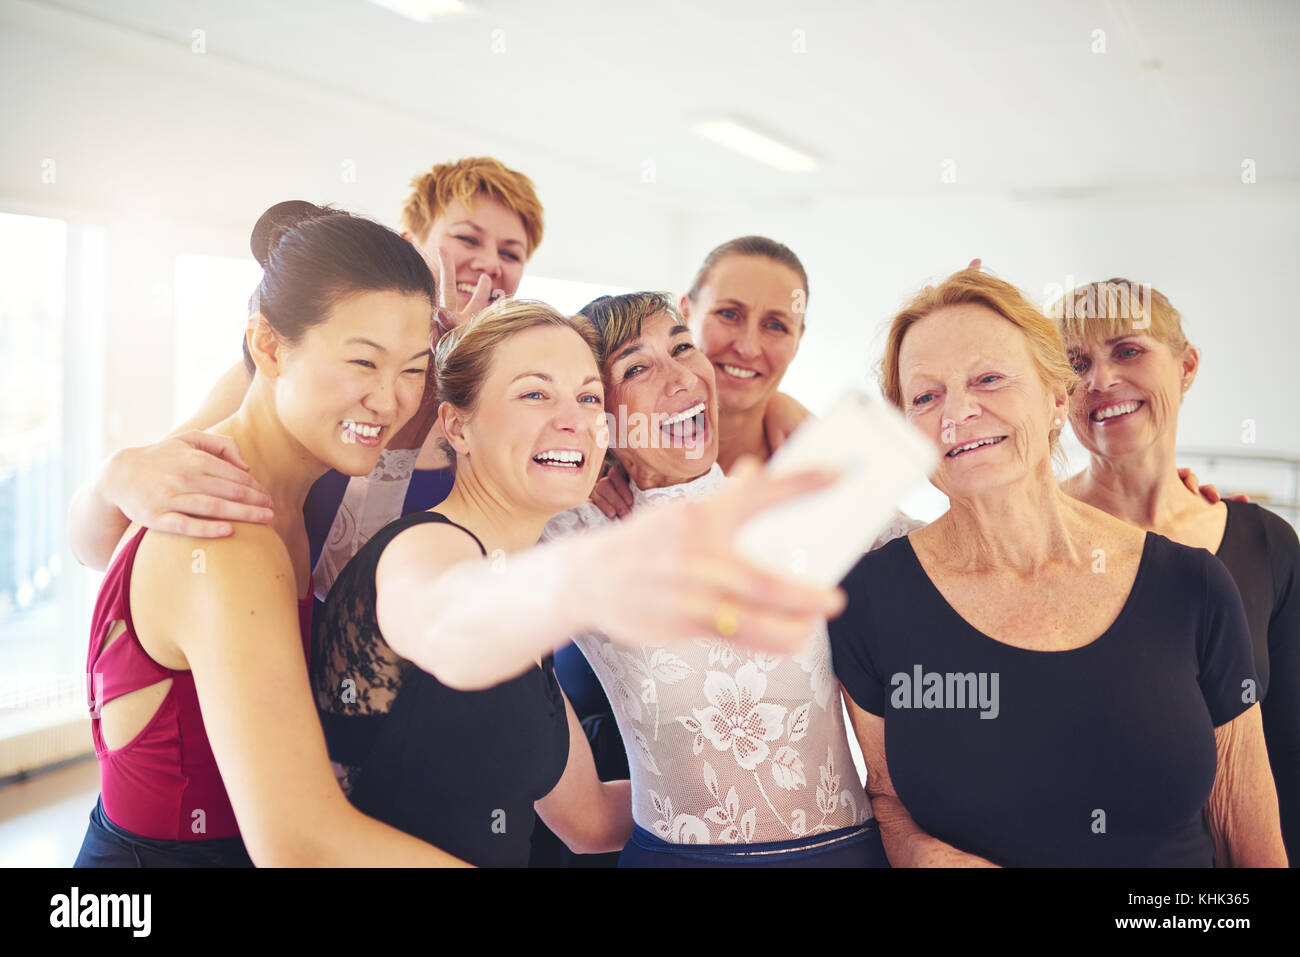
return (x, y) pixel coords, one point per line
(665, 574)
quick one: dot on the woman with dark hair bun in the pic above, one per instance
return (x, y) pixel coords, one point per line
(209, 748)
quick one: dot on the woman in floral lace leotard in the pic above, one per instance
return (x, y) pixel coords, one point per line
(736, 757)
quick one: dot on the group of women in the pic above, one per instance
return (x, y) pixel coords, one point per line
(424, 455)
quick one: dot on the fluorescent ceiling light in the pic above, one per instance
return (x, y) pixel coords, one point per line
(748, 142)
(423, 11)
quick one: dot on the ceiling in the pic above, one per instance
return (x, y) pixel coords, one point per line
(883, 93)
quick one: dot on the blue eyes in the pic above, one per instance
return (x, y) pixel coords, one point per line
(732, 316)
(1080, 363)
(986, 379)
(588, 398)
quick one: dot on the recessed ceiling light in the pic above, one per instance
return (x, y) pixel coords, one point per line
(757, 146)
(423, 11)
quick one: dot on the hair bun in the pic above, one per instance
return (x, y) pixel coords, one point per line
(277, 221)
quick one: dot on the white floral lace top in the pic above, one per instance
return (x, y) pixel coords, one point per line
(369, 503)
(727, 745)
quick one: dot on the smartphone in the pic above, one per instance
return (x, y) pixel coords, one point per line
(821, 536)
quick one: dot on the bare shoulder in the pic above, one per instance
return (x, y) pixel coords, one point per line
(250, 552)
(783, 415)
(424, 551)
(251, 561)
(787, 405)
(185, 589)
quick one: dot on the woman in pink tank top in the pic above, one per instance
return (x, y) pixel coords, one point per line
(209, 747)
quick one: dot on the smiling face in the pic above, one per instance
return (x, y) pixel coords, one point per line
(662, 395)
(354, 379)
(970, 382)
(748, 314)
(1130, 388)
(489, 240)
(535, 436)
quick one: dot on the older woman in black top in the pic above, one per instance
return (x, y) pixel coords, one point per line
(1126, 343)
(1032, 681)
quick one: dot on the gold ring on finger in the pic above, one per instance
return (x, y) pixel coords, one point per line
(727, 619)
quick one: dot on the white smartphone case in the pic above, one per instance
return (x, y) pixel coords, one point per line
(821, 536)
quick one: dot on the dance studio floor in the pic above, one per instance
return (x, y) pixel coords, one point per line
(43, 819)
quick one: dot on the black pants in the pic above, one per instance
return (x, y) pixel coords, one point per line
(847, 847)
(107, 845)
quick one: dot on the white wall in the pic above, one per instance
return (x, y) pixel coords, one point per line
(179, 153)
(1224, 256)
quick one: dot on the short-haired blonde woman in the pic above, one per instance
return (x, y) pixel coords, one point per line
(1032, 681)
(431, 660)
(1126, 343)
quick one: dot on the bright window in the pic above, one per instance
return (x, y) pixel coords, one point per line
(46, 432)
(211, 303)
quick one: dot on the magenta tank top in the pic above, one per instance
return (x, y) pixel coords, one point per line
(163, 783)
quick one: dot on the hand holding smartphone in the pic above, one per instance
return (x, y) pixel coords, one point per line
(821, 536)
